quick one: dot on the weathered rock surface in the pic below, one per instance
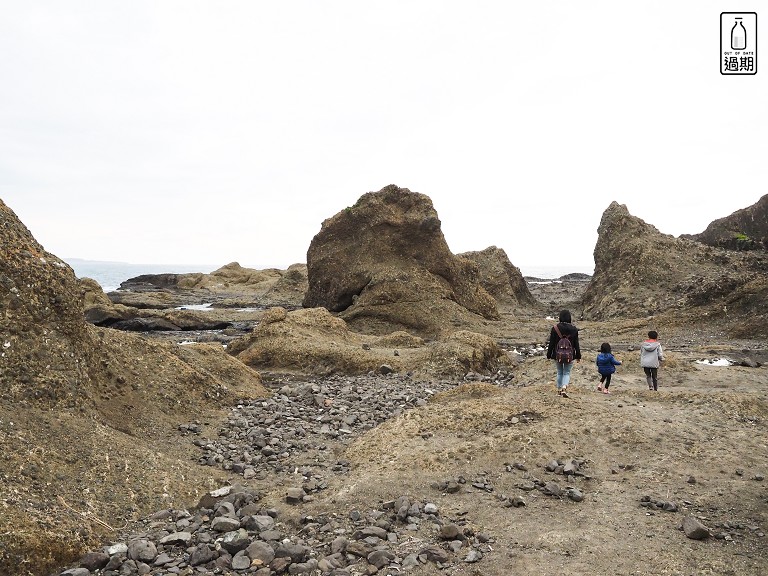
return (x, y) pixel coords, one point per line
(101, 311)
(554, 294)
(384, 264)
(640, 272)
(313, 341)
(228, 298)
(230, 286)
(694, 529)
(500, 278)
(745, 229)
(46, 345)
(73, 396)
(97, 306)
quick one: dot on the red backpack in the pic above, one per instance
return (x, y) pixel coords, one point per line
(563, 349)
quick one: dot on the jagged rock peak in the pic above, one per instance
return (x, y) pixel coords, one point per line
(640, 272)
(500, 278)
(41, 320)
(745, 229)
(387, 250)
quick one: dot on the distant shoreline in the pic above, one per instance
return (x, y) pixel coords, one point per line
(111, 274)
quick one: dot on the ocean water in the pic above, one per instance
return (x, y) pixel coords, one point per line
(550, 272)
(110, 275)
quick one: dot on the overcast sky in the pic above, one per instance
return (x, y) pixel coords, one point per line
(209, 132)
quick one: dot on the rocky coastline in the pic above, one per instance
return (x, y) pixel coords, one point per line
(386, 408)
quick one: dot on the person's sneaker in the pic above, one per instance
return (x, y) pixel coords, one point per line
(599, 388)
(606, 391)
(563, 394)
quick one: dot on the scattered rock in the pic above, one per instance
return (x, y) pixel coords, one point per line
(381, 537)
(694, 529)
(575, 494)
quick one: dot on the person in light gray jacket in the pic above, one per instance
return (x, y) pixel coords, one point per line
(651, 355)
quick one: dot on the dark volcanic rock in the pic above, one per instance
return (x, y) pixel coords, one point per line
(144, 325)
(575, 277)
(500, 278)
(745, 229)
(640, 272)
(385, 258)
(97, 306)
(101, 311)
(155, 281)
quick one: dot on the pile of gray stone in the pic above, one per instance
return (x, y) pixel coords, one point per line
(293, 432)
(231, 533)
(295, 427)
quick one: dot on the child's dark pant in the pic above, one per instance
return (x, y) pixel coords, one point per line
(652, 378)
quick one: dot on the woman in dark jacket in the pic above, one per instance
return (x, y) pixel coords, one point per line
(567, 330)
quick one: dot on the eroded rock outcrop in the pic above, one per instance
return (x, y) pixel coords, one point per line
(101, 311)
(231, 286)
(45, 348)
(314, 341)
(73, 396)
(641, 272)
(385, 260)
(97, 306)
(745, 229)
(500, 278)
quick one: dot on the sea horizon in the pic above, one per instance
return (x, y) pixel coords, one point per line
(110, 274)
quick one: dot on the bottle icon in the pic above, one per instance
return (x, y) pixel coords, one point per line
(738, 35)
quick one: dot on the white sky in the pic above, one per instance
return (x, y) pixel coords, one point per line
(218, 131)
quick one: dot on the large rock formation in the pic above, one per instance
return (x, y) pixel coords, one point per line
(314, 341)
(641, 272)
(745, 229)
(500, 278)
(384, 262)
(86, 412)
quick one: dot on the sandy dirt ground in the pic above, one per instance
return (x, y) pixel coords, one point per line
(699, 442)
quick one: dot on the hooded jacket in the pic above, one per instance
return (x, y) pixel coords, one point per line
(606, 363)
(651, 354)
